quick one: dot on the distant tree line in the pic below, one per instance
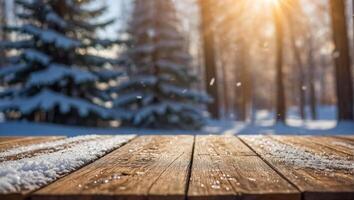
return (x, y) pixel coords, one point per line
(232, 35)
(275, 59)
(53, 74)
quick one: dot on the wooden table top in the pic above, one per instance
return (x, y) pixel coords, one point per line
(203, 167)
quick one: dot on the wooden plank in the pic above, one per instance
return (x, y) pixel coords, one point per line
(8, 138)
(341, 146)
(318, 174)
(346, 137)
(149, 167)
(21, 141)
(221, 145)
(225, 168)
(45, 149)
(65, 161)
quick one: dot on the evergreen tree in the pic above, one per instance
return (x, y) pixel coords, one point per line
(54, 77)
(158, 92)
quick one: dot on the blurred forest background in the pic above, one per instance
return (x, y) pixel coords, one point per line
(175, 63)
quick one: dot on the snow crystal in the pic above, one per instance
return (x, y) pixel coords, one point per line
(44, 145)
(212, 81)
(299, 157)
(32, 173)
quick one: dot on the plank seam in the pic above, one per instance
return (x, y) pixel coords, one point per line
(274, 168)
(189, 174)
(153, 183)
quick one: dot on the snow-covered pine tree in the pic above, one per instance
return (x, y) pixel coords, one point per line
(158, 92)
(54, 77)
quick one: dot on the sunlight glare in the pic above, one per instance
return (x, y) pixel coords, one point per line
(272, 2)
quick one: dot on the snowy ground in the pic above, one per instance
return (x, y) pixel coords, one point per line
(264, 124)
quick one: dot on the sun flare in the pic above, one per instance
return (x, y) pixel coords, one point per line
(272, 2)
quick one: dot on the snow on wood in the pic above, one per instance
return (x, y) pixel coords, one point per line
(33, 173)
(299, 157)
(44, 145)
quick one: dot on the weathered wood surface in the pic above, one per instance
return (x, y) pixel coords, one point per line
(208, 167)
(12, 142)
(225, 168)
(318, 172)
(44, 149)
(152, 167)
(38, 150)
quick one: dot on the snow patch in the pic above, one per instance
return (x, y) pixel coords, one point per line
(33, 173)
(45, 145)
(301, 158)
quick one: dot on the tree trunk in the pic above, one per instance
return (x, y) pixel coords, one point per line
(225, 87)
(300, 75)
(211, 78)
(243, 86)
(280, 89)
(341, 56)
(311, 72)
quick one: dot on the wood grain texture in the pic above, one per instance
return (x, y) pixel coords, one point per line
(314, 180)
(340, 146)
(149, 167)
(225, 168)
(221, 145)
(346, 137)
(9, 138)
(12, 142)
(45, 150)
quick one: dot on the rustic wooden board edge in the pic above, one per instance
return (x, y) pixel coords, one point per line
(337, 194)
(29, 140)
(28, 195)
(140, 195)
(270, 164)
(328, 195)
